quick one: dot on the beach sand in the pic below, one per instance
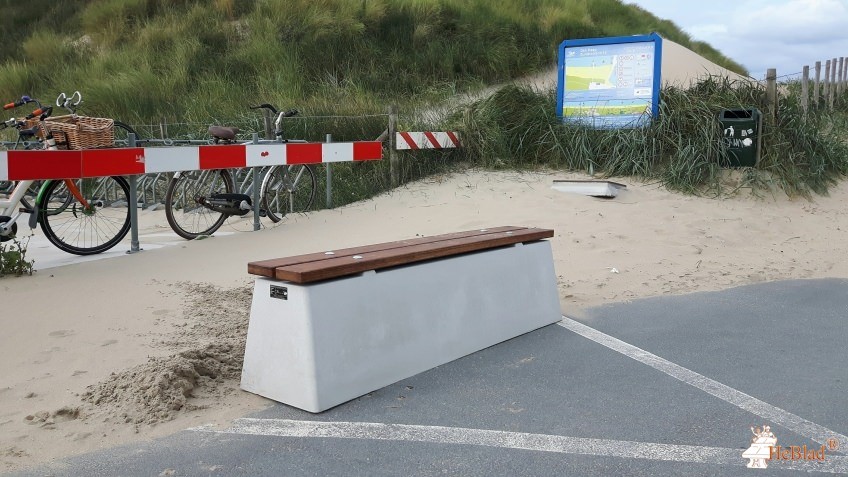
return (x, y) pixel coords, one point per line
(135, 347)
(138, 346)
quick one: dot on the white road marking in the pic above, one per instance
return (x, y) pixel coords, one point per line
(776, 415)
(513, 440)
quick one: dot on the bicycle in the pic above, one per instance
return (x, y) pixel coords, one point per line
(79, 216)
(198, 202)
(120, 130)
(30, 136)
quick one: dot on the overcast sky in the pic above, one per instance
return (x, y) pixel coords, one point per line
(762, 34)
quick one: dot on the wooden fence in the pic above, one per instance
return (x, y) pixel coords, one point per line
(818, 91)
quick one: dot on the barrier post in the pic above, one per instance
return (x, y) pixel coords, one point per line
(329, 166)
(394, 167)
(133, 180)
(255, 172)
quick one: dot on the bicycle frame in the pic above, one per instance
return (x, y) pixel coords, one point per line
(8, 206)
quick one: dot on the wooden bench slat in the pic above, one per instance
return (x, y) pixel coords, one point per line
(266, 268)
(348, 265)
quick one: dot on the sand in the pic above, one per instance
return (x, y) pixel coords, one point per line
(134, 347)
(139, 346)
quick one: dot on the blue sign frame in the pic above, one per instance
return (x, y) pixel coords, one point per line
(605, 103)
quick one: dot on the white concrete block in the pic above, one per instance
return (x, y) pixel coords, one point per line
(332, 341)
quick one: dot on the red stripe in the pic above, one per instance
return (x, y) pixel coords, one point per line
(305, 153)
(223, 156)
(432, 139)
(368, 151)
(112, 162)
(453, 138)
(32, 165)
(406, 137)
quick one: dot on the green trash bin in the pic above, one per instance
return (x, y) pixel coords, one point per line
(741, 134)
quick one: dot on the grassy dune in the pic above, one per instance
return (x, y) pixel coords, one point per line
(342, 62)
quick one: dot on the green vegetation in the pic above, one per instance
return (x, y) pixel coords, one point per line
(342, 62)
(683, 148)
(13, 259)
(198, 60)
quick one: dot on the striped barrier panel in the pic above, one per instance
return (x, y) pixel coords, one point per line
(36, 165)
(426, 140)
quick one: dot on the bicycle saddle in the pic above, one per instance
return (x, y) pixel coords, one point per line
(223, 132)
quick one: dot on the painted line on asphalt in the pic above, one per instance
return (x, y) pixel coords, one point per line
(513, 440)
(776, 415)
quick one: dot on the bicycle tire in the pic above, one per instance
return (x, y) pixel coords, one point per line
(74, 229)
(288, 189)
(122, 131)
(186, 215)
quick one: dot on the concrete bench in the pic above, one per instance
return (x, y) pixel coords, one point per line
(328, 327)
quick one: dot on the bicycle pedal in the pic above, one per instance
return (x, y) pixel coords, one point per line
(24, 210)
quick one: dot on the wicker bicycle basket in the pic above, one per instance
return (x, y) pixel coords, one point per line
(82, 132)
(31, 123)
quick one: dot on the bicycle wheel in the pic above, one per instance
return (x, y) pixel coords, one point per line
(287, 189)
(184, 202)
(82, 230)
(122, 132)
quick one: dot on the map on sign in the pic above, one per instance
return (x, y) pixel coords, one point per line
(609, 84)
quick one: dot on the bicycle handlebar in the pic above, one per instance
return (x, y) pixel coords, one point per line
(69, 103)
(42, 112)
(24, 100)
(265, 106)
(270, 107)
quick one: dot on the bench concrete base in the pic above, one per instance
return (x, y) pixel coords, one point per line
(315, 346)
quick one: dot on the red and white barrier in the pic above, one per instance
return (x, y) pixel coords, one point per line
(34, 165)
(426, 140)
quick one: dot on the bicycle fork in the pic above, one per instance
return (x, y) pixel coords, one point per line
(72, 188)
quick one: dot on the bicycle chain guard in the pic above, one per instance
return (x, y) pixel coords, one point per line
(230, 204)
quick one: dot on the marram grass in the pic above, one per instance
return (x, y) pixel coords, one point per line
(682, 149)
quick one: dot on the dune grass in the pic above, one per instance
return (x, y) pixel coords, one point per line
(141, 60)
(342, 62)
(682, 149)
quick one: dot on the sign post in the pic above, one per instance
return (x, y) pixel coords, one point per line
(610, 82)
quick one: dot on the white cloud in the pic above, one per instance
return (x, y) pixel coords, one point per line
(796, 21)
(761, 34)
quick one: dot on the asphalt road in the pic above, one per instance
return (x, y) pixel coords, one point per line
(664, 386)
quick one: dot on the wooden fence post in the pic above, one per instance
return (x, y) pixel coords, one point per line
(832, 92)
(771, 91)
(841, 75)
(845, 76)
(266, 117)
(393, 159)
(805, 79)
(826, 90)
(817, 84)
(163, 128)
